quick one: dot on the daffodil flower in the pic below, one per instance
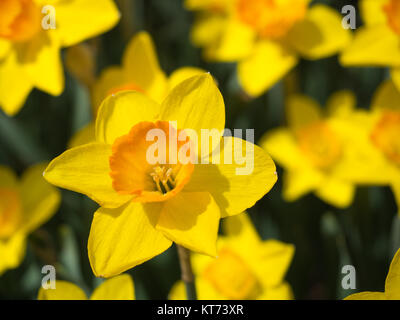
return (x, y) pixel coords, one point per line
(246, 266)
(118, 288)
(377, 42)
(378, 162)
(25, 205)
(140, 71)
(144, 206)
(392, 285)
(265, 37)
(30, 54)
(317, 151)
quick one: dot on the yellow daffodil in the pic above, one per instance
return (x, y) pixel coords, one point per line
(379, 132)
(246, 266)
(30, 54)
(377, 43)
(117, 288)
(392, 285)
(25, 204)
(316, 151)
(144, 206)
(265, 37)
(140, 71)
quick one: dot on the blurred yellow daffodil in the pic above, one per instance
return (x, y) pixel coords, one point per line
(30, 54)
(246, 266)
(24, 206)
(118, 288)
(144, 206)
(392, 285)
(140, 71)
(316, 151)
(378, 137)
(265, 37)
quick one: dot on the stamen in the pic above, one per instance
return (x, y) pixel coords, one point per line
(163, 178)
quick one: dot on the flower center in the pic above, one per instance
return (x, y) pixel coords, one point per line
(271, 18)
(231, 276)
(19, 19)
(146, 164)
(392, 10)
(127, 86)
(10, 212)
(386, 135)
(320, 144)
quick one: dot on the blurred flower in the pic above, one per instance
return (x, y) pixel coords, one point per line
(140, 71)
(24, 206)
(379, 132)
(392, 285)
(246, 266)
(265, 37)
(145, 207)
(117, 288)
(377, 42)
(317, 151)
(30, 55)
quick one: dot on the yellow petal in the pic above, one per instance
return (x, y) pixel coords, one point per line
(280, 292)
(207, 29)
(282, 146)
(109, 79)
(205, 291)
(392, 284)
(85, 135)
(12, 251)
(336, 192)
(117, 288)
(15, 84)
(225, 181)
(396, 191)
(191, 219)
(301, 111)
(341, 103)
(141, 64)
(78, 20)
(386, 97)
(182, 74)
(8, 179)
(395, 73)
(372, 12)
(300, 182)
(195, 103)
(122, 238)
(64, 291)
(85, 169)
(373, 46)
(320, 34)
(120, 112)
(234, 43)
(5, 47)
(40, 200)
(241, 227)
(367, 295)
(268, 63)
(42, 62)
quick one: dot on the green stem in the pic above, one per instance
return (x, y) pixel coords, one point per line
(187, 272)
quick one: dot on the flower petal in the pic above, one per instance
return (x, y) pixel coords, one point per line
(341, 103)
(64, 291)
(40, 200)
(280, 292)
(336, 192)
(392, 284)
(12, 251)
(396, 191)
(182, 74)
(207, 29)
(368, 47)
(320, 34)
(85, 135)
(302, 110)
(367, 295)
(8, 179)
(225, 180)
(78, 20)
(117, 288)
(386, 97)
(195, 103)
(125, 237)
(300, 182)
(120, 112)
(85, 169)
(269, 62)
(372, 12)
(191, 219)
(5, 47)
